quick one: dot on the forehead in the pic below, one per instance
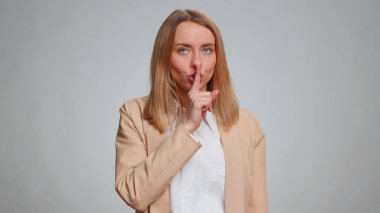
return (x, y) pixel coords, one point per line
(193, 34)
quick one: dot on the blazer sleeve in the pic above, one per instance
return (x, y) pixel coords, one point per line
(141, 178)
(258, 201)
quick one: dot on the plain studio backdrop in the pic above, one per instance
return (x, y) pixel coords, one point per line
(308, 69)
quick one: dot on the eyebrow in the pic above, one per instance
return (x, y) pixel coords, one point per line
(188, 45)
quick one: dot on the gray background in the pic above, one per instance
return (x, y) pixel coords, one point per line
(309, 69)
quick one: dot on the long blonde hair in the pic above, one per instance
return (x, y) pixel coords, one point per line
(162, 97)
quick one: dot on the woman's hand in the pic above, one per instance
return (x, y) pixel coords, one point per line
(200, 103)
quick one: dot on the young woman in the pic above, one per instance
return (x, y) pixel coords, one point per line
(187, 147)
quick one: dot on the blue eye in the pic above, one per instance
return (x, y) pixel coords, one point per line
(207, 50)
(183, 51)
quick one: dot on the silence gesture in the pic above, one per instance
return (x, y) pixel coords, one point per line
(200, 103)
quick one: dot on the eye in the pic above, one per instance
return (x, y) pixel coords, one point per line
(183, 51)
(207, 50)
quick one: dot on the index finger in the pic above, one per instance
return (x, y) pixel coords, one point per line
(197, 79)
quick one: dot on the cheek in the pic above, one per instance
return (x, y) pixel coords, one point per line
(178, 65)
(210, 66)
(179, 72)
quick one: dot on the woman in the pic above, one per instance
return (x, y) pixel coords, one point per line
(187, 147)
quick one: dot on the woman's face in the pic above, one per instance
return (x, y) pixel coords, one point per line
(193, 47)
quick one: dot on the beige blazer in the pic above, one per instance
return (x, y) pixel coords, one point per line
(146, 161)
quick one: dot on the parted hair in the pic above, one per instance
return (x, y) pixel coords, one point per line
(163, 95)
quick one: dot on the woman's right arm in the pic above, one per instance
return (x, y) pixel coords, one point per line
(140, 178)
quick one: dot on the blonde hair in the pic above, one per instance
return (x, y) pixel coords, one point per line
(162, 97)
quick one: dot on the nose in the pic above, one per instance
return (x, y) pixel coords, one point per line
(196, 61)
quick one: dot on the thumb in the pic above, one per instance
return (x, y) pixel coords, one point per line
(214, 94)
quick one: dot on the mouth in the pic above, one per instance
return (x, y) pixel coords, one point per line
(191, 78)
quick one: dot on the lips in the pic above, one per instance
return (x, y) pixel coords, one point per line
(192, 77)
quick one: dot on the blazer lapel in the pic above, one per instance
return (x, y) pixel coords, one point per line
(236, 190)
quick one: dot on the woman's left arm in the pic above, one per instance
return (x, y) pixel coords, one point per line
(258, 201)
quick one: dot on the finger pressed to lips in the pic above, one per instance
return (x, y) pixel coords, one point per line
(196, 79)
(192, 78)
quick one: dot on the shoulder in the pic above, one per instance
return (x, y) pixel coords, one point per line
(134, 106)
(249, 125)
(247, 117)
(131, 114)
(133, 111)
